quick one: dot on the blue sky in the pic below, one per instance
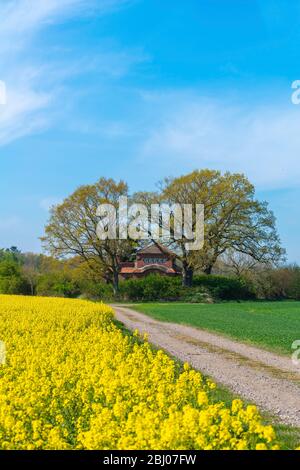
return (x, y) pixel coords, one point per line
(142, 89)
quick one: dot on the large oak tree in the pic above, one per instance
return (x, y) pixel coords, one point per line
(72, 229)
(234, 220)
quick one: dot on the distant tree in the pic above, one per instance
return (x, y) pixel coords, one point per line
(294, 288)
(13, 254)
(11, 279)
(31, 265)
(238, 263)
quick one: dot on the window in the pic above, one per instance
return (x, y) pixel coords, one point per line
(154, 260)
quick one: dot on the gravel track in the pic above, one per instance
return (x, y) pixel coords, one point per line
(267, 379)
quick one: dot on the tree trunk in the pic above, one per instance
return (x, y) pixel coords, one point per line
(32, 288)
(116, 281)
(187, 276)
(208, 269)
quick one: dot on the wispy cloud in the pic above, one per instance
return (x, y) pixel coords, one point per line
(192, 132)
(21, 115)
(34, 85)
(19, 16)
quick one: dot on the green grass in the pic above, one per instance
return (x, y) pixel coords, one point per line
(270, 325)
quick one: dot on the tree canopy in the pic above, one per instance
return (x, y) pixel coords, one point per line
(72, 229)
(233, 219)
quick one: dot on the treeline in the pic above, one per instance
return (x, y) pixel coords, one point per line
(37, 274)
(32, 274)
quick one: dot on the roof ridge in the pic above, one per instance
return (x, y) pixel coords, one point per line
(162, 248)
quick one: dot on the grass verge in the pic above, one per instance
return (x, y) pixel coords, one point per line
(271, 325)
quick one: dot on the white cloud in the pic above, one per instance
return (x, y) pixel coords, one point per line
(261, 141)
(19, 16)
(34, 86)
(21, 115)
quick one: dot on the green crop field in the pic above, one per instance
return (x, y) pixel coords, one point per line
(271, 325)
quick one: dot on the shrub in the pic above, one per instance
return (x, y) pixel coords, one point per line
(195, 295)
(152, 287)
(294, 289)
(205, 289)
(93, 290)
(57, 285)
(275, 284)
(224, 288)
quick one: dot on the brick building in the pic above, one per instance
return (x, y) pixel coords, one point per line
(154, 259)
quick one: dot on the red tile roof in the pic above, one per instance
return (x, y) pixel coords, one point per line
(126, 269)
(155, 249)
(148, 267)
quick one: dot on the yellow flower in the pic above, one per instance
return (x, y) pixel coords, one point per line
(261, 447)
(211, 385)
(236, 406)
(72, 380)
(202, 398)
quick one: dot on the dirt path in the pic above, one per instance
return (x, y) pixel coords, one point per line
(269, 380)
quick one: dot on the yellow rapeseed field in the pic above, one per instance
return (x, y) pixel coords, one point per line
(72, 379)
